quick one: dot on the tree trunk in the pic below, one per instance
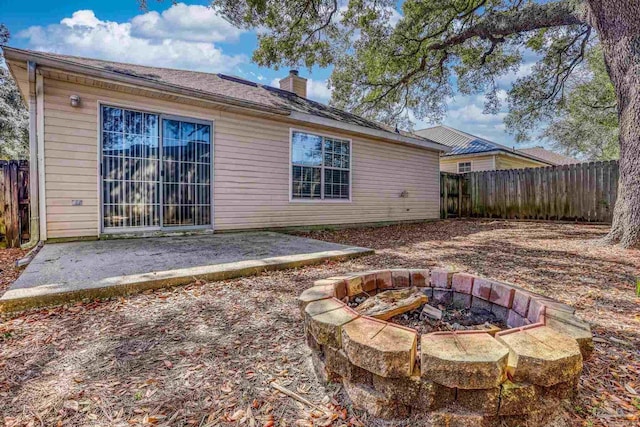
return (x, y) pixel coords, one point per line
(618, 25)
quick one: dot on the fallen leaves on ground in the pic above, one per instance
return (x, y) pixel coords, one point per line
(8, 270)
(205, 354)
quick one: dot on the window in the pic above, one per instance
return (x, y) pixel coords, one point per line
(320, 167)
(464, 167)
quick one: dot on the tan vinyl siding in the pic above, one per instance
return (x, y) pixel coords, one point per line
(509, 162)
(251, 168)
(478, 163)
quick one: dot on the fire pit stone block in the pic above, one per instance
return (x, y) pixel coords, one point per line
(337, 361)
(463, 360)
(419, 278)
(441, 278)
(461, 300)
(521, 303)
(338, 286)
(327, 327)
(536, 311)
(384, 280)
(369, 282)
(442, 296)
(315, 293)
(481, 288)
(401, 278)
(374, 402)
(515, 320)
(478, 304)
(500, 312)
(501, 294)
(483, 401)
(570, 325)
(321, 306)
(384, 349)
(415, 391)
(462, 283)
(518, 398)
(540, 355)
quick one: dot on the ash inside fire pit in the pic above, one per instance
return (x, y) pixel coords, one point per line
(453, 319)
(409, 307)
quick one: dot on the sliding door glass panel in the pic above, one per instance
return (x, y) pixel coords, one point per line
(130, 169)
(186, 162)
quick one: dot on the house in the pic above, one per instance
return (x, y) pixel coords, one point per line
(470, 153)
(556, 159)
(122, 148)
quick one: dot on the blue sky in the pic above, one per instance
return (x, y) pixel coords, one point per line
(190, 36)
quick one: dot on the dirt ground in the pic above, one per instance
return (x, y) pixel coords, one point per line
(205, 354)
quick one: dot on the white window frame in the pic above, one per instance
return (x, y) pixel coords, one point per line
(470, 166)
(321, 199)
(161, 113)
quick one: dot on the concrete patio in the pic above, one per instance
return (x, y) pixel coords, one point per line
(65, 272)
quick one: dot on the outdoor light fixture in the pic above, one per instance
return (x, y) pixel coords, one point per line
(75, 100)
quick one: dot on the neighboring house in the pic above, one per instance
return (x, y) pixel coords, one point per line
(470, 153)
(129, 148)
(550, 156)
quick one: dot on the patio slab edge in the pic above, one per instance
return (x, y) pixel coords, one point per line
(42, 296)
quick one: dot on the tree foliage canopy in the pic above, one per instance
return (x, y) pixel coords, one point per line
(387, 65)
(586, 123)
(14, 117)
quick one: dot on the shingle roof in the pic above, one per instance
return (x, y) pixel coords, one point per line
(222, 85)
(464, 143)
(549, 156)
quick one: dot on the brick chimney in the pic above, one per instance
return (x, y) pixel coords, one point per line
(294, 83)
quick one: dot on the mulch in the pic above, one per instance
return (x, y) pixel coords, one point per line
(205, 354)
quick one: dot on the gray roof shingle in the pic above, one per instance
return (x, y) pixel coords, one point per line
(225, 86)
(550, 156)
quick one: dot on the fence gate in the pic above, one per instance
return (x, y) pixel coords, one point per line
(14, 202)
(451, 192)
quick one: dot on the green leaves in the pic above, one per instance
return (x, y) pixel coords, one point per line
(14, 118)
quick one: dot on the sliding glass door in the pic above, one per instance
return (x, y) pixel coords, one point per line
(156, 171)
(186, 162)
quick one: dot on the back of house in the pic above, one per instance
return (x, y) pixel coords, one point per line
(125, 148)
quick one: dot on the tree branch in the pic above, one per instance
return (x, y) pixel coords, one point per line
(531, 17)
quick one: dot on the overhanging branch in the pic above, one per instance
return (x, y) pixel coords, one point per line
(531, 17)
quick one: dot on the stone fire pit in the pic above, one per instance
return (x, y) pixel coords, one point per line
(466, 378)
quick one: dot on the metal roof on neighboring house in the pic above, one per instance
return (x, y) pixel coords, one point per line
(462, 143)
(224, 88)
(550, 156)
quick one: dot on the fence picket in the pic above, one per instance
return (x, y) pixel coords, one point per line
(577, 192)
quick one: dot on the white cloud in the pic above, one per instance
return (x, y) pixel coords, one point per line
(188, 23)
(466, 114)
(81, 18)
(508, 79)
(317, 90)
(84, 34)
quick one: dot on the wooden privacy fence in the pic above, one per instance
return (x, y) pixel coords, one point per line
(14, 202)
(579, 192)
